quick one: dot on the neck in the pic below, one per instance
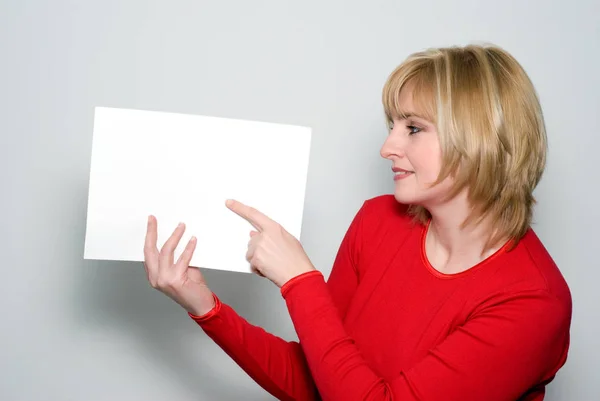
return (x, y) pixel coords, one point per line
(452, 248)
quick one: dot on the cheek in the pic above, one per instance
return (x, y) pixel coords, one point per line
(427, 162)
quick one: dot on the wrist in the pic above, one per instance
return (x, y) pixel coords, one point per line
(295, 274)
(284, 289)
(203, 306)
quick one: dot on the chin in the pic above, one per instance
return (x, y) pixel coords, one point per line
(406, 199)
(421, 196)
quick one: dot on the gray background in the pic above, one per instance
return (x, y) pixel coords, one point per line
(86, 330)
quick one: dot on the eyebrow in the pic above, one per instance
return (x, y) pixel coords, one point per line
(408, 114)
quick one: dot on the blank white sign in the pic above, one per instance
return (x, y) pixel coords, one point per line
(182, 168)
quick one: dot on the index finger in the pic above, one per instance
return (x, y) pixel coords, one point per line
(253, 216)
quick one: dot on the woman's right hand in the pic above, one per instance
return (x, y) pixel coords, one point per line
(182, 283)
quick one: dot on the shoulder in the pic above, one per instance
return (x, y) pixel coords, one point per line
(528, 271)
(527, 288)
(531, 256)
(531, 265)
(383, 217)
(381, 225)
(385, 208)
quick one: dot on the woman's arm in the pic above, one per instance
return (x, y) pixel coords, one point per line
(277, 365)
(518, 339)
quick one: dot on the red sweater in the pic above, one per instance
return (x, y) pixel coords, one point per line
(388, 326)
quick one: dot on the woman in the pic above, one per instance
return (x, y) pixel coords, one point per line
(439, 292)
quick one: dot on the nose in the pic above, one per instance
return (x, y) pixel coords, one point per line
(392, 146)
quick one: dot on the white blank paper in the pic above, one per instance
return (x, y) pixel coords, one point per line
(182, 168)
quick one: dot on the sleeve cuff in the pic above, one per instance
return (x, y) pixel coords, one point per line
(298, 279)
(210, 314)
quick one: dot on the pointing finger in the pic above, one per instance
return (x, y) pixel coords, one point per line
(253, 216)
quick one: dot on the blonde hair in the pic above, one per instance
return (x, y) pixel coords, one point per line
(490, 126)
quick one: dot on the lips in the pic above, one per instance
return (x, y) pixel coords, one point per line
(400, 173)
(398, 170)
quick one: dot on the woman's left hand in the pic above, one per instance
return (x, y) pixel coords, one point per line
(272, 251)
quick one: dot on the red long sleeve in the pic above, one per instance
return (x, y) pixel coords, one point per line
(277, 365)
(388, 326)
(498, 355)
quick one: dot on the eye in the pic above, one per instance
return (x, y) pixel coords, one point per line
(413, 129)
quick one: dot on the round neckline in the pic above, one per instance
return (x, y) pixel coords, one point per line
(449, 276)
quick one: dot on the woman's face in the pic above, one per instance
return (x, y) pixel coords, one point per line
(414, 149)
